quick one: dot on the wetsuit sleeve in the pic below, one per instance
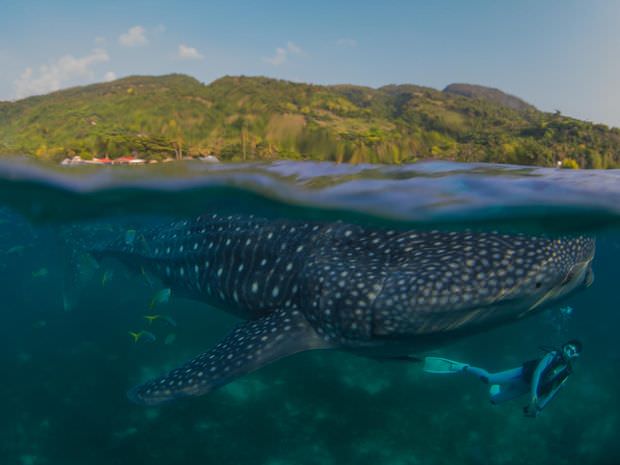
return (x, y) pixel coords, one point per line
(545, 400)
(540, 368)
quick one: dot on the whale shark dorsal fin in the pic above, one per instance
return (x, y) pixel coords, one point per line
(246, 348)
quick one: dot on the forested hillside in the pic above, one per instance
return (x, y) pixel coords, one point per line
(255, 118)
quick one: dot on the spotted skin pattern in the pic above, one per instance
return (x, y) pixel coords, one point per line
(375, 292)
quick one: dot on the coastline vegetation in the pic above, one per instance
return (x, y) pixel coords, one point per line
(256, 118)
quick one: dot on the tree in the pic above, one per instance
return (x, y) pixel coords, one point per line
(176, 140)
(244, 138)
(41, 151)
(570, 164)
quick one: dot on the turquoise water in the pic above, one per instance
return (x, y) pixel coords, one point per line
(65, 372)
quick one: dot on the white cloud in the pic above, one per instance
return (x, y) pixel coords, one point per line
(51, 77)
(346, 42)
(293, 48)
(189, 53)
(109, 76)
(282, 54)
(278, 58)
(134, 37)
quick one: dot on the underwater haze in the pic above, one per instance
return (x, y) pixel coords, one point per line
(67, 364)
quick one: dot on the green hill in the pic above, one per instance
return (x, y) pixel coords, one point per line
(255, 118)
(490, 94)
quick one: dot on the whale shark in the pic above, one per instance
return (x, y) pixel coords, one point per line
(376, 292)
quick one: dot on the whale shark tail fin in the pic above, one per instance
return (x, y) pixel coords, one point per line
(248, 347)
(442, 365)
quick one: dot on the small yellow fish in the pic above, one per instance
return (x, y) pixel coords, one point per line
(168, 319)
(40, 273)
(107, 275)
(151, 318)
(146, 277)
(16, 249)
(149, 337)
(160, 297)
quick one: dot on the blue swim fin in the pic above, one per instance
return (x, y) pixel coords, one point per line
(248, 347)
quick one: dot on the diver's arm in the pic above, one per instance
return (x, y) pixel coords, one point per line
(544, 363)
(543, 401)
(533, 407)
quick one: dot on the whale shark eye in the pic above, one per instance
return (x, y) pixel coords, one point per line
(538, 284)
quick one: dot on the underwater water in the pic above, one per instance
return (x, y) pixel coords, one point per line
(66, 369)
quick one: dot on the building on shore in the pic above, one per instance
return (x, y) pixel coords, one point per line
(129, 160)
(125, 160)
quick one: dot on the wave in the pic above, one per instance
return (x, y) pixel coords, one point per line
(428, 194)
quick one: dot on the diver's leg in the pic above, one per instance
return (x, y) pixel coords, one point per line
(480, 373)
(507, 385)
(502, 377)
(503, 392)
(506, 376)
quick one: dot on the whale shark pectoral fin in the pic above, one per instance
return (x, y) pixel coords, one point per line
(246, 348)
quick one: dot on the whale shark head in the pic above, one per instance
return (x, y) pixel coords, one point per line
(569, 278)
(463, 282)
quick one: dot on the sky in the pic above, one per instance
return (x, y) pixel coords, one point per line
(556, 54)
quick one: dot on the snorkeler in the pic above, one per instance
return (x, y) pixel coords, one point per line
(542, 377)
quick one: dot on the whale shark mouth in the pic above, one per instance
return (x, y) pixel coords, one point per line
(589, 280)
(583, 276)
